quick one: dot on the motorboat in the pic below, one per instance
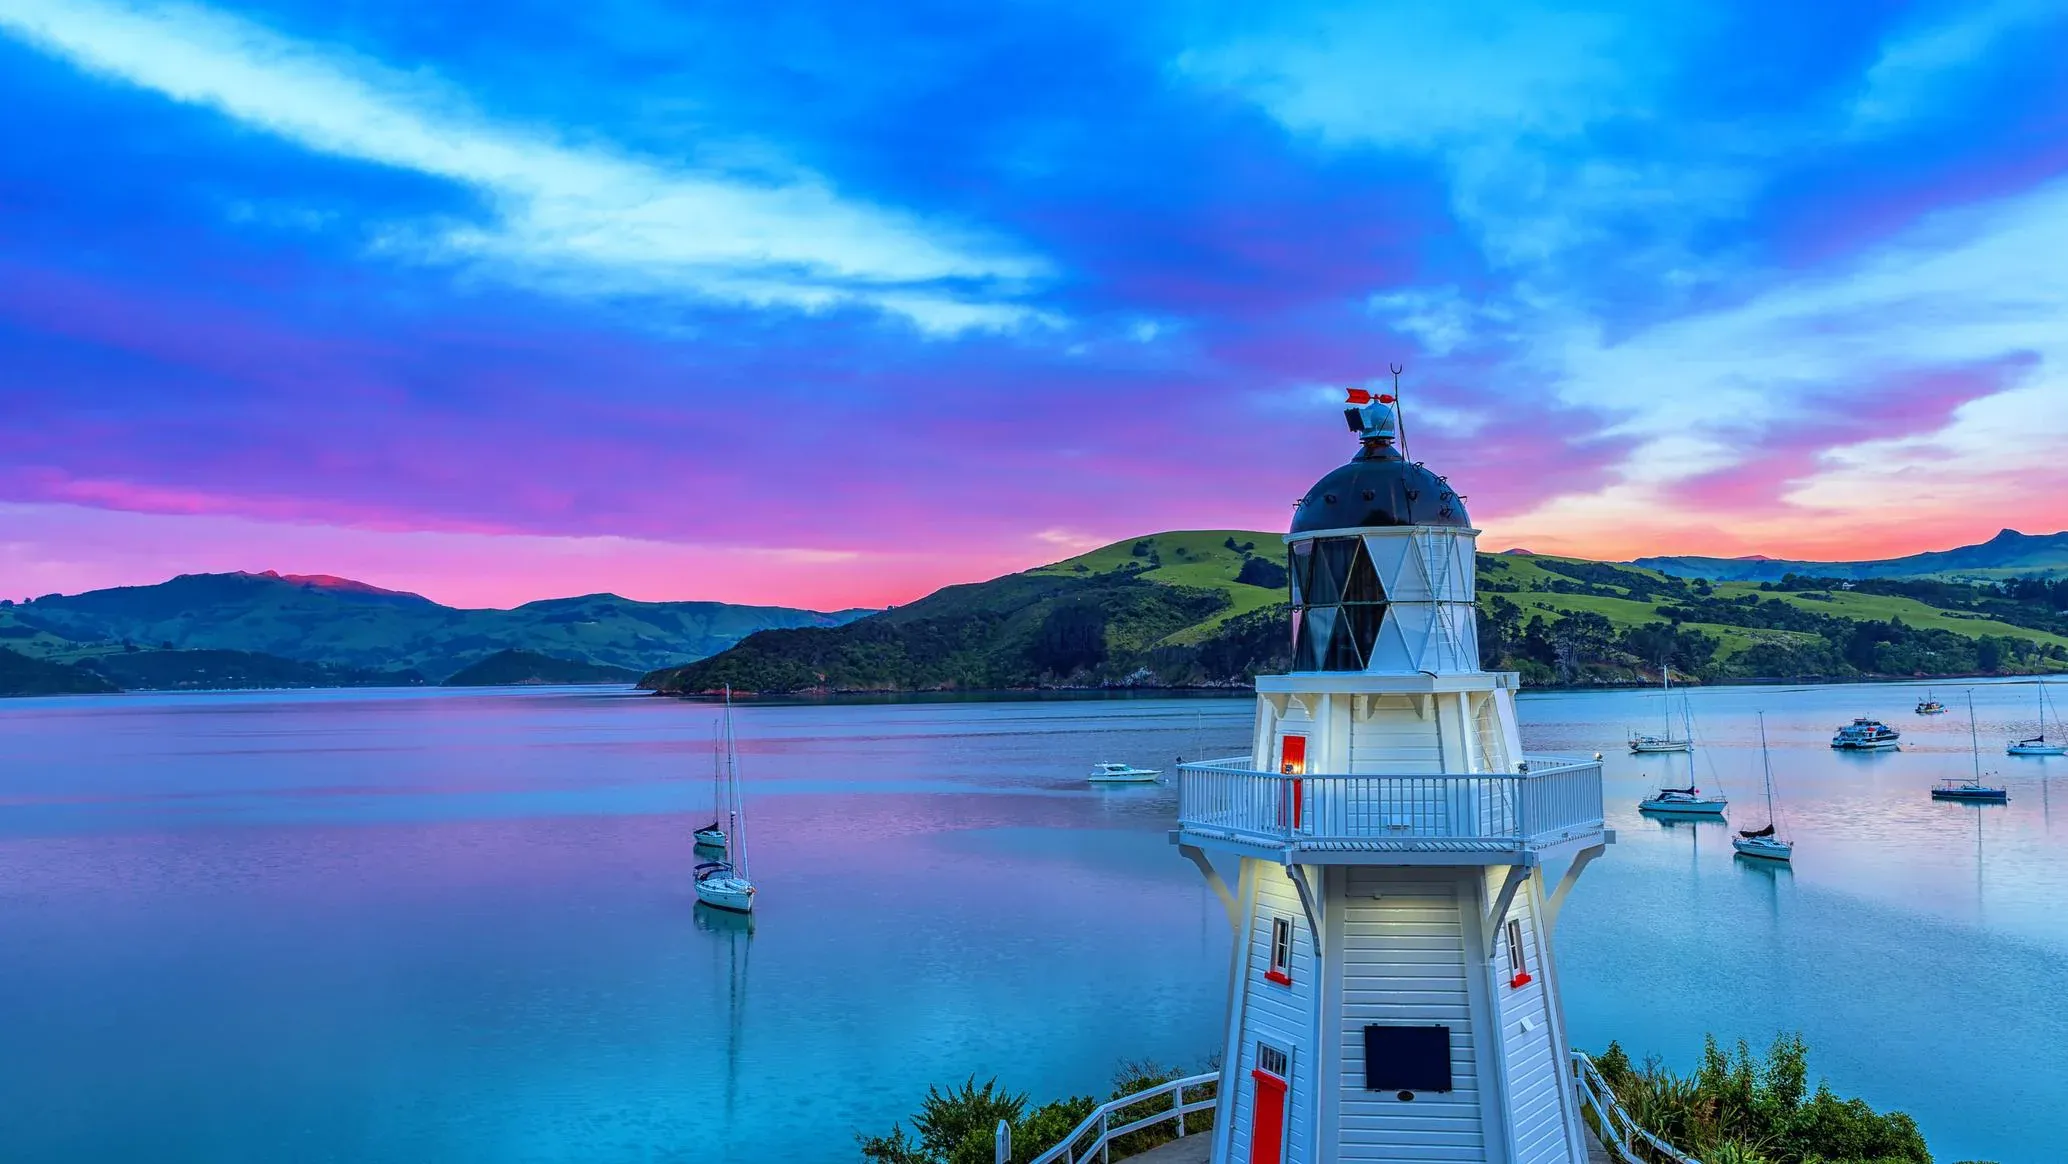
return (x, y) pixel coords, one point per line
(1689, 801)
(2039, 745)
(1971, 790)
(1865, 735)
(1650, 744)
(1766, 844)
(1930, 706)
(1110, 773)
(725, 884)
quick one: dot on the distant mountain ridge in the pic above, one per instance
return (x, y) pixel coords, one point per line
(2008, 554)
(350, 628)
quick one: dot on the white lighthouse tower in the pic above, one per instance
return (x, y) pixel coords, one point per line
(1399, 862)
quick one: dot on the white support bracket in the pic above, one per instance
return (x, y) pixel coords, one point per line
(1496, 913)
(1307, 904)
(1198, 857)
(1565, 884)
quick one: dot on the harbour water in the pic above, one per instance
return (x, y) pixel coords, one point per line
(388, 927)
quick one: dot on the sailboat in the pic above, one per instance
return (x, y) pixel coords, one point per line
(1662, 743)
(1971, 790)
(725, 884)
(1688, 801)
(2039, 745)
(1765, 843)
(712, 836)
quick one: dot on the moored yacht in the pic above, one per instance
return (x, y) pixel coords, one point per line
(724, 884)
(1865, 735)
(2039, 745)
(1111, 773)
(1647, 744)
(1767, 844)
(1971, 789)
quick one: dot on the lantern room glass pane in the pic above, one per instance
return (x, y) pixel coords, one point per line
(1332, 558)
(1361, 583)
(1317, 631)
(1364, 620)
(1342, 648)
(1299, 565)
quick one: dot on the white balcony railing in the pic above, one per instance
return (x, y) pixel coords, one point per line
(1550, 799)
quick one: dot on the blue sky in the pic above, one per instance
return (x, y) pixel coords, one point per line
(837, 303)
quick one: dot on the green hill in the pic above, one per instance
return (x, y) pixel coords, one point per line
(22, 675)
(1207, 608)
(341, 624)
(511, 668)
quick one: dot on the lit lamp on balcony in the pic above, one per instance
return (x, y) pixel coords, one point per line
(1397, 862)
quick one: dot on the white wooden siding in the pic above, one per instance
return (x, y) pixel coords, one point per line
(1280, 1015)
(1395, 736)
(1403, 962)
(1533, 1061)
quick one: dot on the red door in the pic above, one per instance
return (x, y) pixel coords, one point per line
(1267, 1123)
(1292, 761)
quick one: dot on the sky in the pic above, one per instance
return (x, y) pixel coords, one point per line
(831, 304)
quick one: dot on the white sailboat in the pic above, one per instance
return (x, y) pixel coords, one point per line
(1971, 790)
(1688, 801)
(725, 884)
(1663, 743)
(1766, 844)
(712, 836)
(2039, 745)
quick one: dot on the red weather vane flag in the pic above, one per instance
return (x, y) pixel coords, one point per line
(1360, 396)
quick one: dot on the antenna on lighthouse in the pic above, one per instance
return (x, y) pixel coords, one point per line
(1399, 413)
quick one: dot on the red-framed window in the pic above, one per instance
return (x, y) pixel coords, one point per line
(1281, 951)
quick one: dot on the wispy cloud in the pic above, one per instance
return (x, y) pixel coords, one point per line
(568, 217)
(1913, 75)
(1506, 97)
(1981, 287)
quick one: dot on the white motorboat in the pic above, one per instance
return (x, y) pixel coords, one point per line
(1646, 744)
(1110, 773)
(2039, 745)
(1865, 735)
(725, 884)
(1766, 844)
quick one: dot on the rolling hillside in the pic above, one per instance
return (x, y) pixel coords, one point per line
(349, 626)
(1206, 608)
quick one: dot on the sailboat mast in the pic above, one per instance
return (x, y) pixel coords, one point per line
(1687, 725)
(1766, 761)
(1666, 696)
(735, 822)
(1974, 738)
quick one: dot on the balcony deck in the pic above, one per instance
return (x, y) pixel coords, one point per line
(1552, 803)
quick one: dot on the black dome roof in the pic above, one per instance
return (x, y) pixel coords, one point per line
(1378, 488)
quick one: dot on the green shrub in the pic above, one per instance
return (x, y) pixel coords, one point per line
(1738, 1110)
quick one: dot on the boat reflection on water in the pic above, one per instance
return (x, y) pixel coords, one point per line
(732, 938)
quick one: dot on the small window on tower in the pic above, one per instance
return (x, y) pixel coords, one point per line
(1273, 1060)
(1518, 969)
(1281, 951)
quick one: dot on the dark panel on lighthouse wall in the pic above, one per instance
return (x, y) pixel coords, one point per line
(1407, 1058)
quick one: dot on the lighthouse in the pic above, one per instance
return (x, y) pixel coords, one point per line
(1391, 861)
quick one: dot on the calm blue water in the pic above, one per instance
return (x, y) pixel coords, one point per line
(399, 927)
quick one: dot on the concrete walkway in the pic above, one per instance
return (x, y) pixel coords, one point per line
(1193, 1149)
